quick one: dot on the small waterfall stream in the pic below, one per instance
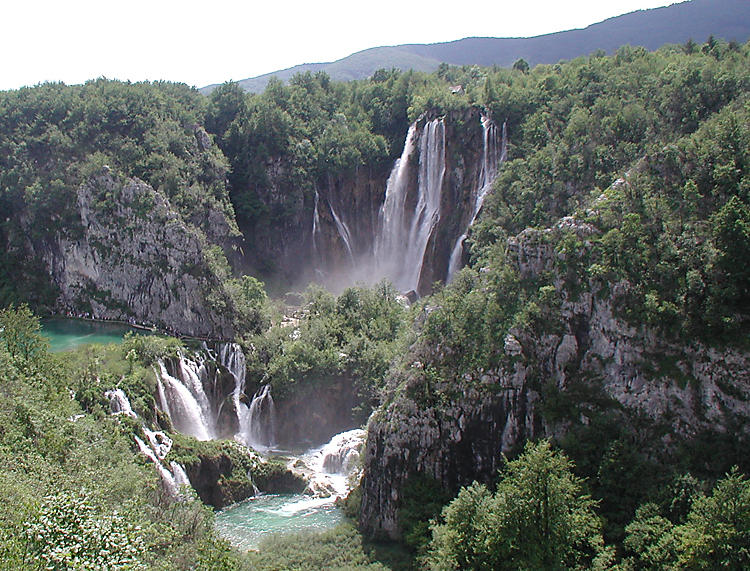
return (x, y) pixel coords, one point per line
(343, 231)
(259, 426)
(492, 157)
(119, 403)
(316, 225)
(156, 447)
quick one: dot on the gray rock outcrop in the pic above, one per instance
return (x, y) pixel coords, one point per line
(134, 259)
(461, 435)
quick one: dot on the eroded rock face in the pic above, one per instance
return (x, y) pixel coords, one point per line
(683, 389)
(287, 244)
(134, 259)
(454, 444)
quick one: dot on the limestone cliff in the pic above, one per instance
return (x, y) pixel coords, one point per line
(134, 258)
(298, 240)
(456, 430)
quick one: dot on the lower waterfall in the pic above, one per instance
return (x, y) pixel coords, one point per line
(155, 447)
(204, 396)
(199, 402)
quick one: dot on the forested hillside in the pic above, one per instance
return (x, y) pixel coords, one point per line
(589, 364)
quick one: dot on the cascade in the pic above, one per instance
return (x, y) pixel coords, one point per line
(329, 468)
(491, 159)
(192, 373)
(341, 454)
(159, 445)
(316, 223)
(401, 245)
(184, 399)
(119, 403)
(181, 406)
(180, 477)
(259, 426)
(343, 231)
(173, 480)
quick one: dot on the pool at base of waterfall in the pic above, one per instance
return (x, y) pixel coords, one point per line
(246, 523)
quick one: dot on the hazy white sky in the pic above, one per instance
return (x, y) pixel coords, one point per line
(212, 41)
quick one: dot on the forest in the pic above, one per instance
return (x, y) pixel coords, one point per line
(630, 171)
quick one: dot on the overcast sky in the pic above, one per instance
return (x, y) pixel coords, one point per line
(213, 41)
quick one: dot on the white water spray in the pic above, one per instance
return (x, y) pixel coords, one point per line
(119, 403)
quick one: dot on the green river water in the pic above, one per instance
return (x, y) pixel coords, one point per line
(67, 334)
(244, 524)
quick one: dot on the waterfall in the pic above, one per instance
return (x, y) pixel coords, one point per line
(392, 237)
(330, 467)
(400, 252)
(180, 477)
(259, 426)
(492, 157)
(192, 372)
(316, 223)
(172, 480)
(178, 401)
(341, 454)
(343, 231)
(119, 403)
(194, 399)
(160, 443)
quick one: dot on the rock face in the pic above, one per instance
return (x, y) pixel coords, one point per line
(679, 389)
(134, 259)
(229, 473)
(299, 240)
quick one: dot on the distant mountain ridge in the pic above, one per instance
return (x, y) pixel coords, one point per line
(696, 19)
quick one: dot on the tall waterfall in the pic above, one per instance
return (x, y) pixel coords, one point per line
(402, 241)
(200, 403)
(492, 157)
